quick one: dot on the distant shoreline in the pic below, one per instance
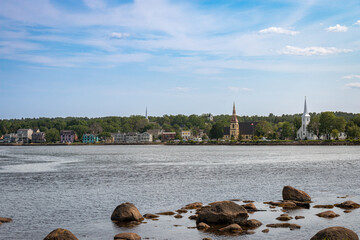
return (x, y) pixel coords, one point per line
(245, 143)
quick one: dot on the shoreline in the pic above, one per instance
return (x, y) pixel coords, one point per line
(244, 143)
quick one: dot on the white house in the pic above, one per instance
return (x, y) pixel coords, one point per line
(303, 133)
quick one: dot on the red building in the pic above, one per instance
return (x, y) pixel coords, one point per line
(168, 136)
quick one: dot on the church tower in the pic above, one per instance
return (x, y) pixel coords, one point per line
(303, 133)
(234, 125)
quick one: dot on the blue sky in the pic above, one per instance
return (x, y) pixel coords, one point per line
(113, 58)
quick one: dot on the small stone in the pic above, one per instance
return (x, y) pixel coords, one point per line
(328, 214)
(5, 220)
(202, 226)
(178, 216)
(348, 205)
(181, 211)
(207, 239)
(249, 206)
(251, 223)
(323, 206)
(193, 217)
(127, 236)
(299, 217)
(248, 201)
(266, 230)
(194, 205)
(169, 213)
(150, 216)
(347, 211)
(283, 225)
(233, 228)
(284, 217)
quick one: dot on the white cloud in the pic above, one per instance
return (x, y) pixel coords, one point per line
(357, 22)
(353, 85)
(95, 4)
(351, 76)
(239, 89)
(278, 30)
(337, 28)
(310, 51)
(119, 35)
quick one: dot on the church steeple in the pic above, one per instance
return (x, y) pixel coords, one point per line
(234, 117)
(305, 109)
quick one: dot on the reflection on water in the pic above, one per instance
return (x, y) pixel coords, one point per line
(78, 187)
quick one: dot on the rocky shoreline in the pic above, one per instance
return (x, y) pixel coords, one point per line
(229, 218)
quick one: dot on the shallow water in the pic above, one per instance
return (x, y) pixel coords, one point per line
(78, 187)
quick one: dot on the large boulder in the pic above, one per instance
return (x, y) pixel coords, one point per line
(290, 193)
(60, 234)
(224, 212)
(127, 236)
(126, 212)
(335, 233)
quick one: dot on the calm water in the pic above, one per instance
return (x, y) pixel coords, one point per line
(78, 187)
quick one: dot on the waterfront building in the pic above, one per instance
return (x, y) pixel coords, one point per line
(302, 133)
(119, 137)
(155, 132)
(90, 138)
(145, 137)
(38, 137)
(10, 138)
(186, 135)
(132, 137)
(67, 136)
(24, 135)
(168, 136)
(247, 130)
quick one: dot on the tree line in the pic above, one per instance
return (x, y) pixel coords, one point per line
(272, 127)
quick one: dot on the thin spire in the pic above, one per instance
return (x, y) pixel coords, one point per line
(305, 108)
(146, 116)
(234, 117)
(234, 111)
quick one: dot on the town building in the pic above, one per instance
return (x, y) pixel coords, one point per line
(24, 135)
(302, 133)
(186, 135)
(90, 138)
(145, 137)
(10, 138)
(168, 136)
(67, 136)
(239, 130)
(155, 132)
(38, 137)
(132, 137)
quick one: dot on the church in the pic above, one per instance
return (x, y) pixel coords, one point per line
(303, 133)
(239, 130)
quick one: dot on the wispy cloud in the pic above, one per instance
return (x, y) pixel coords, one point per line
(357, 22)
(119, 35)
(337, 28)
(239, 89)
(95, 4)
(353, 85)
(311, 51)
(351, 76)
(278, 30)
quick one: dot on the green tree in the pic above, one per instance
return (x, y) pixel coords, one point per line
(352, 130)
(263, 128)
(335, 134)
(287, 131)
(52, 135)
(327, 123)
(217, 131)
(314, 126)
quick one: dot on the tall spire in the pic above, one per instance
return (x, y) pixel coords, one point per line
(234, 117)
(146, 116)
(305, 108)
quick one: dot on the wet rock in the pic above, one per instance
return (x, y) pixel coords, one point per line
(202, 226)
(235, 200)
(193, 217)
(299, 217)
(302, 204)
(335, 233)
(288, 205)
(291, 193)
(126, 212)
(348, 205)
(344, 196)
(207, 239)
(323, 206)
(60, 234)
(284, 217)
(127, 236)
(250, 206)
(251, 223)
(150, 216)
(181, 211)
(266, 230)
(283, 225)
(248, 201)
(194, 205)
(178, 216)
(272, 207)
(347, 211)
(233, 228)
(169, 213)
(328, 214)
(223, 212)
(5, 220)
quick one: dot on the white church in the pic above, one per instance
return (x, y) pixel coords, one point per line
(303, 133)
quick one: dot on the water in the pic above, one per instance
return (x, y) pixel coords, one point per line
(78, 187)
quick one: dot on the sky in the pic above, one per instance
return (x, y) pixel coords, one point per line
(98, 58)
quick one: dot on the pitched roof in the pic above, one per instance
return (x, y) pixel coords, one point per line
(246, 128)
